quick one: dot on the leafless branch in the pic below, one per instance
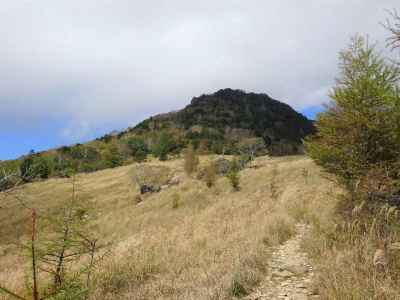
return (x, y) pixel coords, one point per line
(392, 24)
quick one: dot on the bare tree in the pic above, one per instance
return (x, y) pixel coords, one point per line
(392, 24)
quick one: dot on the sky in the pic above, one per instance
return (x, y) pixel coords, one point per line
(73, 70)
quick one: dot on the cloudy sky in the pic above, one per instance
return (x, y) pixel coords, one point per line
(72, 70)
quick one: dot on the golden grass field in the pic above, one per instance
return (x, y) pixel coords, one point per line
(215, 239)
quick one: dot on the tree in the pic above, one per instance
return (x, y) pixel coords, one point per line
(138, 148)
(69, 240)
(77, 152)
(62, 240)
(42, 167)
(393, 25)
(360, 129)
(164, 145)
(35, 166)
(191, 160)
(112, 156)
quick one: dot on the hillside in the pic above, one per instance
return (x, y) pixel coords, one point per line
(226, 122)
(228, 112)
(213, 242)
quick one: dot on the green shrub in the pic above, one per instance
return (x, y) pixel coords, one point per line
(234, 179)
(233, 175)
(138, 148)
(71, 290)
(35, 167)
(237, 289)
(112, 157)
(163, 146)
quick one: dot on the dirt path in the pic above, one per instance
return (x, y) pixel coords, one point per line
(289, 274)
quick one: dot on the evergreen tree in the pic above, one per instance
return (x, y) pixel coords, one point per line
(164, 146)
(42, 167)
(360, 130)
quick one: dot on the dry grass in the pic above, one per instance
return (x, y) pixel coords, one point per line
(213, 245)
(343, 253)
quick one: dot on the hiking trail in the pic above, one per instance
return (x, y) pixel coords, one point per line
(289, 274)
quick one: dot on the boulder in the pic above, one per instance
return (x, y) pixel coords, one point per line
(145, 188)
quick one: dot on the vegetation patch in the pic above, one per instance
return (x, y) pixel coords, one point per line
(150, 178)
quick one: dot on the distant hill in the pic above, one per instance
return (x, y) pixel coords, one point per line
(231, 111)
(223, 123)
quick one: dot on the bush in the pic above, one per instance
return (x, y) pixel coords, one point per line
(112, 156)
(138, 148)
(278, 232)
(72, 290)
(237, 289)
(26, 168)
(191, 160)
(251, 147)
(233, 175)
(118, 276)
(34, 167)
(210, 175)
(175, 201)
(9, 175)
(42, 167)
(250, 270)
(344, 251)
(164, 145)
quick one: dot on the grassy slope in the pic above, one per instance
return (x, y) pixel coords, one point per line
(215, 241)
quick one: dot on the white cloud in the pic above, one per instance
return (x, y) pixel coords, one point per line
(103, 62)
(76, 130)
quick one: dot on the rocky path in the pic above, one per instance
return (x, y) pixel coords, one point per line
(289, 273)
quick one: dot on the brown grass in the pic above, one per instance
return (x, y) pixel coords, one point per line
(343, 253)
(215, 245)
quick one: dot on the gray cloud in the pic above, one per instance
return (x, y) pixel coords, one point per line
(99, 63)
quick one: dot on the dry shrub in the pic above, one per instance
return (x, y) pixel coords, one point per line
(137, 199)
(191, 160)
(151, 175)
(344, 256)
(302, 212)
(234, 179)
(175, 201)
(279, 231)
(210, 175)
(249, 272)
(122, 275)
